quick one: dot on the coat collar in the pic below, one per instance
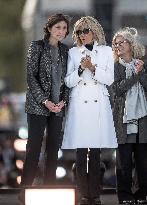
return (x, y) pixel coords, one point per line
(47, 45)
(83, 49)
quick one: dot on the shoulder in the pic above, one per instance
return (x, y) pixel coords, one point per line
(145, 66)
(118, 65)
(104, 48)
(64, 46)
(35, 48)
(73, 50)
(119, 68)
(105, 51)
(36, 45)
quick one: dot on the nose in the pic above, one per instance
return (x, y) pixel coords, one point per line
(116, 45)
(62, 31)
(82, 34)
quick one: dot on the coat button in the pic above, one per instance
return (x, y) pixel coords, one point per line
(85, 101)
(95, 100)
(95, 82)
(84, 83)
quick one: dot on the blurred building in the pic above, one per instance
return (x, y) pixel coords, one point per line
(131, 13)
(36, 12)
(112, 14)
(103, 10)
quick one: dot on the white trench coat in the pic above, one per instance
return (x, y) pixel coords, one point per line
(89, 122)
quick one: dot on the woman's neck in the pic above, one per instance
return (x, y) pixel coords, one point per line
(89, 46)
(53, 42)
(127, 58)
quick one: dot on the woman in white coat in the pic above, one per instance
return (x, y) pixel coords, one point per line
(89, 122)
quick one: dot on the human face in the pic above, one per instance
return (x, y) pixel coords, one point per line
(122, 47)
(85, 35)
(57, 32)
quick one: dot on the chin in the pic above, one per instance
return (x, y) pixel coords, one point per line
(119, 54)
(84, 42)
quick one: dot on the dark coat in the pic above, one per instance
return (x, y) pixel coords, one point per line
(120, 87)
(39, 76)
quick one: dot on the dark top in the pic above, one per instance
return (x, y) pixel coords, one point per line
(118, 90)
(39, 76)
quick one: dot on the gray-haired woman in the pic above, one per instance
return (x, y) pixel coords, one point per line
(130, 114)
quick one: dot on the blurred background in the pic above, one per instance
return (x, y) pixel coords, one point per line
(21, 22)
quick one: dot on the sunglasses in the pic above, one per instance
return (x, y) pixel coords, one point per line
(84, 31)
(119, 43)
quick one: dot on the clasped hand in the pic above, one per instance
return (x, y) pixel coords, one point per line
(138, 66)
(55, 107)
(86, 63)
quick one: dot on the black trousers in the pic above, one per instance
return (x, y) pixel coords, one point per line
(36, 128)
(124, 165)
(88, 183)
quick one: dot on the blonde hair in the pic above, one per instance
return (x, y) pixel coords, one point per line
(131, 35)
(93, 25)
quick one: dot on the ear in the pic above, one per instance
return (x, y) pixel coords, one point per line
(49, 30)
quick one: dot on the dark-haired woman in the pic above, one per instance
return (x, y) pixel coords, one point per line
(46, 98)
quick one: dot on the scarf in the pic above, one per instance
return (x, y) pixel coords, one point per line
(136, 103)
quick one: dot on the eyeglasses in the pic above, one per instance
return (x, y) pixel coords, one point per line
(84, 31)
(119, 43)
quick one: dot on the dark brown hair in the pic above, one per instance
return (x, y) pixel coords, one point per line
(52, 20)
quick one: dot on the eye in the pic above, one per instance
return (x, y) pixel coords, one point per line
(65, 27)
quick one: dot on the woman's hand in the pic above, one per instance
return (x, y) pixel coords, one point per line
(60, 105)
(86, 63)
(139, 65)
(52, 107)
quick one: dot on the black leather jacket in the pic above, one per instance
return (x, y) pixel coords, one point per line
(39, 76)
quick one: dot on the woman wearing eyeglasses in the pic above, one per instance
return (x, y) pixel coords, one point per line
(130, 114)
(89, 122)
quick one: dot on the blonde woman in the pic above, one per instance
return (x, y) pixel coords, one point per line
(130, 114)
(89, 122)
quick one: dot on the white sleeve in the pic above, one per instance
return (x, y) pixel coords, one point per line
(72, 78)
(104, 73)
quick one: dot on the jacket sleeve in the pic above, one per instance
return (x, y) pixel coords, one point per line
(122, 85)
(105, 72)
(33, 61)
(72, 78)
(143, 77)
(65, 94)
(64, 89)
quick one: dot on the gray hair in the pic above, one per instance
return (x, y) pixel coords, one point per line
(131, 35)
